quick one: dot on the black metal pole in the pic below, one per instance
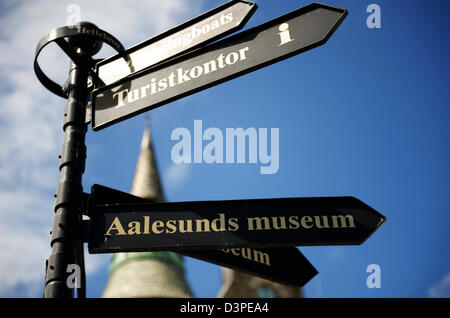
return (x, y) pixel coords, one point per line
(67, 221)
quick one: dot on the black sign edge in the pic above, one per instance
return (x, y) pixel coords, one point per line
(180, 249)
(137, 201)
(105, 191)
(313, 270)
(382, 219)
(195, 53)
(142, 201)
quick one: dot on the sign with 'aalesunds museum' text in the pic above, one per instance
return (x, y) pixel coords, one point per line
(234, 223)
(286, 265)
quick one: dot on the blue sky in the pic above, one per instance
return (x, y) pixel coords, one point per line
(364, 115)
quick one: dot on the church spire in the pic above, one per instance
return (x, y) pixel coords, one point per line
(147, 274)
(146, 181)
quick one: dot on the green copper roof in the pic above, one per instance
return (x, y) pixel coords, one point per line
(119, 259)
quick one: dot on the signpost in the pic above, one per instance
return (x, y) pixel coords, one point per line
(285, 265)
(201, 30)
(255, 236)
(271, 42)
(80, 43)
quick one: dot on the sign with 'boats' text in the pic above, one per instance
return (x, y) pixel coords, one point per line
(201, 30)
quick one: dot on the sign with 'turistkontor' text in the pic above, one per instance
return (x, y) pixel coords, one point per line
(273, 41)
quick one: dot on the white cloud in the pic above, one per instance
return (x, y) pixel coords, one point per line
(24, 227)
(31, 121)
(22, 261)
(441, 289)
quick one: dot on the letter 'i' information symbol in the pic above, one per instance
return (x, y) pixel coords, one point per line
(285, 36)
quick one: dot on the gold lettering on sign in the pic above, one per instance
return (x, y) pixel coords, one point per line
(116, 225)
(149, 226)
(250, 254)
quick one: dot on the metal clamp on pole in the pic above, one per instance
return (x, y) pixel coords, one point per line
(84, 31)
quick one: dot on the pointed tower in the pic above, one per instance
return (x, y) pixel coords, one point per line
(147, 274)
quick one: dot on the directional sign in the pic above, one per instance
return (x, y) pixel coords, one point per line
(201, 30)
(273, 41)
(285, 265)
(231, 224)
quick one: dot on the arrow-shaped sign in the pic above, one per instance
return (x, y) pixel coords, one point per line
(231, 224)
(285, 265)
(201, 30)
(273, 41)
